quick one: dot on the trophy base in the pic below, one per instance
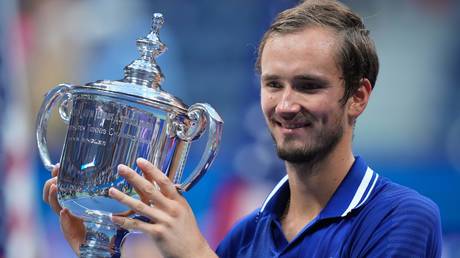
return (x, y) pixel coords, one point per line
(102, 237)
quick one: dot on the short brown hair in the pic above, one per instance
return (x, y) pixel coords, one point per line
(357, 56)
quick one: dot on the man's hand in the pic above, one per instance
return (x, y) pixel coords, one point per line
(173, 226)
(71, 226)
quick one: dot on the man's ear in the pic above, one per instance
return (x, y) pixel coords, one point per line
(358, 101)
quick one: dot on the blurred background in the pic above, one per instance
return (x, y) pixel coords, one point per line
(409, 133)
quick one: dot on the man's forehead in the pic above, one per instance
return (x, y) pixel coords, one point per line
(315, 34)
(310, 51)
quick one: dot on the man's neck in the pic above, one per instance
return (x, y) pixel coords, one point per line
(312, 186)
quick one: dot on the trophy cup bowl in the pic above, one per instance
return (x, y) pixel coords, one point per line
(115, 122)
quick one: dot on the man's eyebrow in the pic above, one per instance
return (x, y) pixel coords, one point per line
(270, 77)
(309, 77)
(301, 77)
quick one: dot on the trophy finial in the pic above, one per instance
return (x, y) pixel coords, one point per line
(144, 70)
(157, 22)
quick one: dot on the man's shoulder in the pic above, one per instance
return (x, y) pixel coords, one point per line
(396, 221)
(395, 198)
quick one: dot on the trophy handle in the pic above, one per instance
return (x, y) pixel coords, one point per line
(203, 117)
(59, 94)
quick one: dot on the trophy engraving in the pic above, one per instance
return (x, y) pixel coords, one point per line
(115, 122)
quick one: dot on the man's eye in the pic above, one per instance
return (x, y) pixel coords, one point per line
(273, 84)
(308, 87)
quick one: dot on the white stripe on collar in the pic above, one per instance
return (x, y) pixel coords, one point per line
(355, 202)
(273, 192)
(362, 190)
(370, 190)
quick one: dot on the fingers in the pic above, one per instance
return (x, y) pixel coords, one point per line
(150, 171)
(52, 198)
(46, 188)
(49, 182)
(138, 206)
(55, 170)
(132, 224)
(146, 190)
(50, 191)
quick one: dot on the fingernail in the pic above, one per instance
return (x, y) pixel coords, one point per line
(118, 220)
(142, 161)
(112, 191)
(122, 169)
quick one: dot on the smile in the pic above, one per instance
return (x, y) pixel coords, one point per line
(292, 125)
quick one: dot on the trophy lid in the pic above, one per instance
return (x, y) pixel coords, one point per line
(143, 77)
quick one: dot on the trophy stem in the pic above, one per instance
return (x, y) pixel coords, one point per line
(101, 239)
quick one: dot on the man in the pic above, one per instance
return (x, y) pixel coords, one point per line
(318, 67)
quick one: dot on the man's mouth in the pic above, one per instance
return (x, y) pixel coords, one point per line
(292, 126)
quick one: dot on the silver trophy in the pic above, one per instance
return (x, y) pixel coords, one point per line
(115, 122)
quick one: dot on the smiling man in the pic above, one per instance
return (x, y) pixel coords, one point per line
(318, 67)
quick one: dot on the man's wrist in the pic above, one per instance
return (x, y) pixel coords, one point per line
(205, 251)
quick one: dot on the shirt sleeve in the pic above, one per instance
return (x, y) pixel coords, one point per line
(411, 227)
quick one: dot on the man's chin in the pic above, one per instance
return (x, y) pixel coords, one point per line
(294, 145)
(294, 155)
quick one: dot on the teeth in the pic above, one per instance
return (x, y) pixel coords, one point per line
(292, 126)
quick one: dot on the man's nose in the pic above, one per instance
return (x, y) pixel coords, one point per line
(288, 105)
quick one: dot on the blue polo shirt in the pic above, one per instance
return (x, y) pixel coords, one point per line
(367, 216)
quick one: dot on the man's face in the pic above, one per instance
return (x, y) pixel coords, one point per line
(301, 88)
